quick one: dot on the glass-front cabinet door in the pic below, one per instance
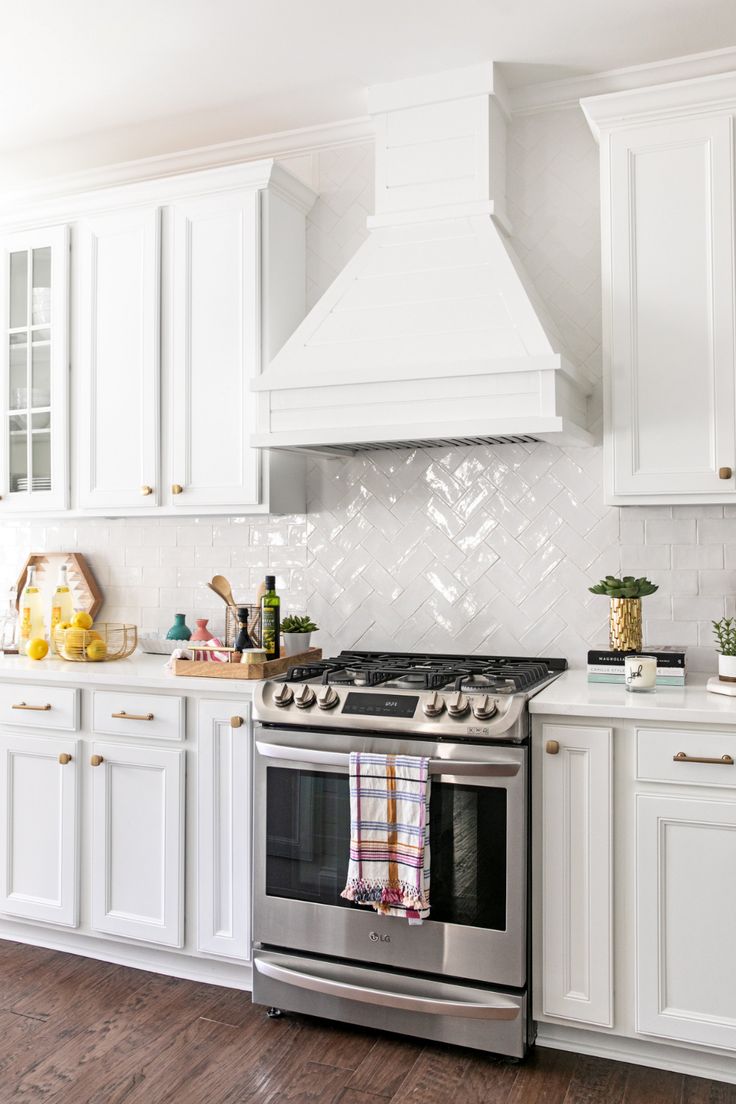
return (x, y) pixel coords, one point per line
(34, 318)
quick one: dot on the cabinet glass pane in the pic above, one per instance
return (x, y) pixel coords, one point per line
(18, 452)
(41, 460)
(18, 289)
(41, 286)
(40, 375)
(18, 381)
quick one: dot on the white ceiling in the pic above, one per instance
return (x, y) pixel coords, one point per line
(149, 76)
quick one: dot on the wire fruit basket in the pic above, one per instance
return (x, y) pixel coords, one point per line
(105, 642)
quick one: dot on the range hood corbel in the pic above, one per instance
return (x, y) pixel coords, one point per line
(432, 332)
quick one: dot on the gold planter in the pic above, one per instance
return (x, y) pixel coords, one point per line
(624, 625)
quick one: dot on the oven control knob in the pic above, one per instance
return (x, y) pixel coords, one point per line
(327, 698)
(284, 695)
(434, 705)
(484, 708)
(305, 696)
(458, 705)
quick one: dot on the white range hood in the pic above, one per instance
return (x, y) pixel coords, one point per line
(433, 332)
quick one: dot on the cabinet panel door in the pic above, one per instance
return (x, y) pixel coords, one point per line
(138, 843)
(215, 349)
(34, 371)
(670, 372)
(223, 835)
(686, 903)
(118, 431)
(577, 844)
(39, 869)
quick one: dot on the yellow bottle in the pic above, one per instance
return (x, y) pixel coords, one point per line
(62, 606)
(31, 611)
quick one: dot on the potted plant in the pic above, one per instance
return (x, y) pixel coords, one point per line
(624, 619)
(725, 633)
(297, 633)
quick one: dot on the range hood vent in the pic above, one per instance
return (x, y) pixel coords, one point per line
(433, 332)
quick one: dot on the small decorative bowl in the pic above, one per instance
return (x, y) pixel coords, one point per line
(103, 642)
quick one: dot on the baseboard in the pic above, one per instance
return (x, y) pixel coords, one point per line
(639, 1052)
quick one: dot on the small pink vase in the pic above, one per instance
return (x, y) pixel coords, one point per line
(201, 633)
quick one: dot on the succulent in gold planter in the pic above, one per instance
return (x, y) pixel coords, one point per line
(624, 619)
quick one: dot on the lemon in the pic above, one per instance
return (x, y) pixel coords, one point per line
(82, 620)
(37, 648)
(96, 650)
(64, 625)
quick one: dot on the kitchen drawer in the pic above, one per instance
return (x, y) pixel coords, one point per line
(126, 714)
(29, 705)
(657, 748)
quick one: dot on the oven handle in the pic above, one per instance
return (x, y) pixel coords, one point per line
(489, 768)
(496, 1008)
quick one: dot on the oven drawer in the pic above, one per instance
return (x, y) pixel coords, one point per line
(689, 757)
(32, 706)
(152, 715)
(392, 1001)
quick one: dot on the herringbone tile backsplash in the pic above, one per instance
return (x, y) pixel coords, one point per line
(462, 549)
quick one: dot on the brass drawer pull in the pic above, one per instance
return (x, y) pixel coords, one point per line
(65, 758)
(552, 747)
(725, 473)
(123, 716)
(33, 708)
(176, 488)
(96, 761)
(681, 757)
(236, 722)
(146, 490)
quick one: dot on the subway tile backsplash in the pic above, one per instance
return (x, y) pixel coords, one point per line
(453, 549)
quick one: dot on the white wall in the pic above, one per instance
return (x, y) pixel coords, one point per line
(487, 549)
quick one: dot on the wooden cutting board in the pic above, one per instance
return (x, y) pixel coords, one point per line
(194, 668)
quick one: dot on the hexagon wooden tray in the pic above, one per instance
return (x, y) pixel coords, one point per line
(86, 594)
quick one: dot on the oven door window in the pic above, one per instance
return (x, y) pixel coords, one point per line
(308, 838)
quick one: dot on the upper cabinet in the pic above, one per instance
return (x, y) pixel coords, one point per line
(667, 199)
(181, 290)
(34, 331)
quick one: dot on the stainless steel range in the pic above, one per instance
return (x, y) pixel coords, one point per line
(462, 976)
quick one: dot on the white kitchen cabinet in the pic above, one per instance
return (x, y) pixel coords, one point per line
(34, 371)
(117, 435)
(224, 783)
(137, 875)
(667, 198)
(686, 903)
(39, 867)
(577, 871)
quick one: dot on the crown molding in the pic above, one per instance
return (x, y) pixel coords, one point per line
(283, 144)
(533, 98)
(660, 101)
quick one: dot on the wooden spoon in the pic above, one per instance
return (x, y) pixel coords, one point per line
(221, 586)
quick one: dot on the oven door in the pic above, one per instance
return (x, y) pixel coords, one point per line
(478, 839)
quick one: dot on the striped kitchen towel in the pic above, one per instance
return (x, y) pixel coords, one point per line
(389, 834)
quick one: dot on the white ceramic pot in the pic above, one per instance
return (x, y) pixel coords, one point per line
(294, 643)
(726, 668)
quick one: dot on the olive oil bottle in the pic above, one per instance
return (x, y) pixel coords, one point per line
(271, 620)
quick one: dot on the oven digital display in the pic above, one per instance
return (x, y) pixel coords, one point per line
(381, 705)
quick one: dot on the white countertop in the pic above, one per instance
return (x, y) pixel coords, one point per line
(139, 672)
(571, 695)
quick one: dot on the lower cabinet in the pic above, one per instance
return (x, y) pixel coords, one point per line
(223, 829)
(577, 846)
(686, 907)
(39, 796)
(137, 874)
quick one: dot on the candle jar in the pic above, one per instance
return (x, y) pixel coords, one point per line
(640, 673)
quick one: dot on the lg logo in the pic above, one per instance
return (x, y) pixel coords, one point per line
(376, 937)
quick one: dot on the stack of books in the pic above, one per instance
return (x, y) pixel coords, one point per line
(605, 666)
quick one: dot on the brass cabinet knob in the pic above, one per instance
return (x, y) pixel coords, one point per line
(146, 490)
(176, 488)
(725, 473)
(236, 722)
(552, 747)
(64, 758)
(96, 761)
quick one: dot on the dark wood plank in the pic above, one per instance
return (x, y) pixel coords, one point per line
(435, 1076)
(486, 1081)
(313, 1083)
(696, 1090)
(597, 1081)
(386, 1067)
(651, 1086)
(544, 1078)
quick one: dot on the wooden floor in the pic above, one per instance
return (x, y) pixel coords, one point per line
(74, 1031)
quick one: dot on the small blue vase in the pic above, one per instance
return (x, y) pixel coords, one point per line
(179, 630)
